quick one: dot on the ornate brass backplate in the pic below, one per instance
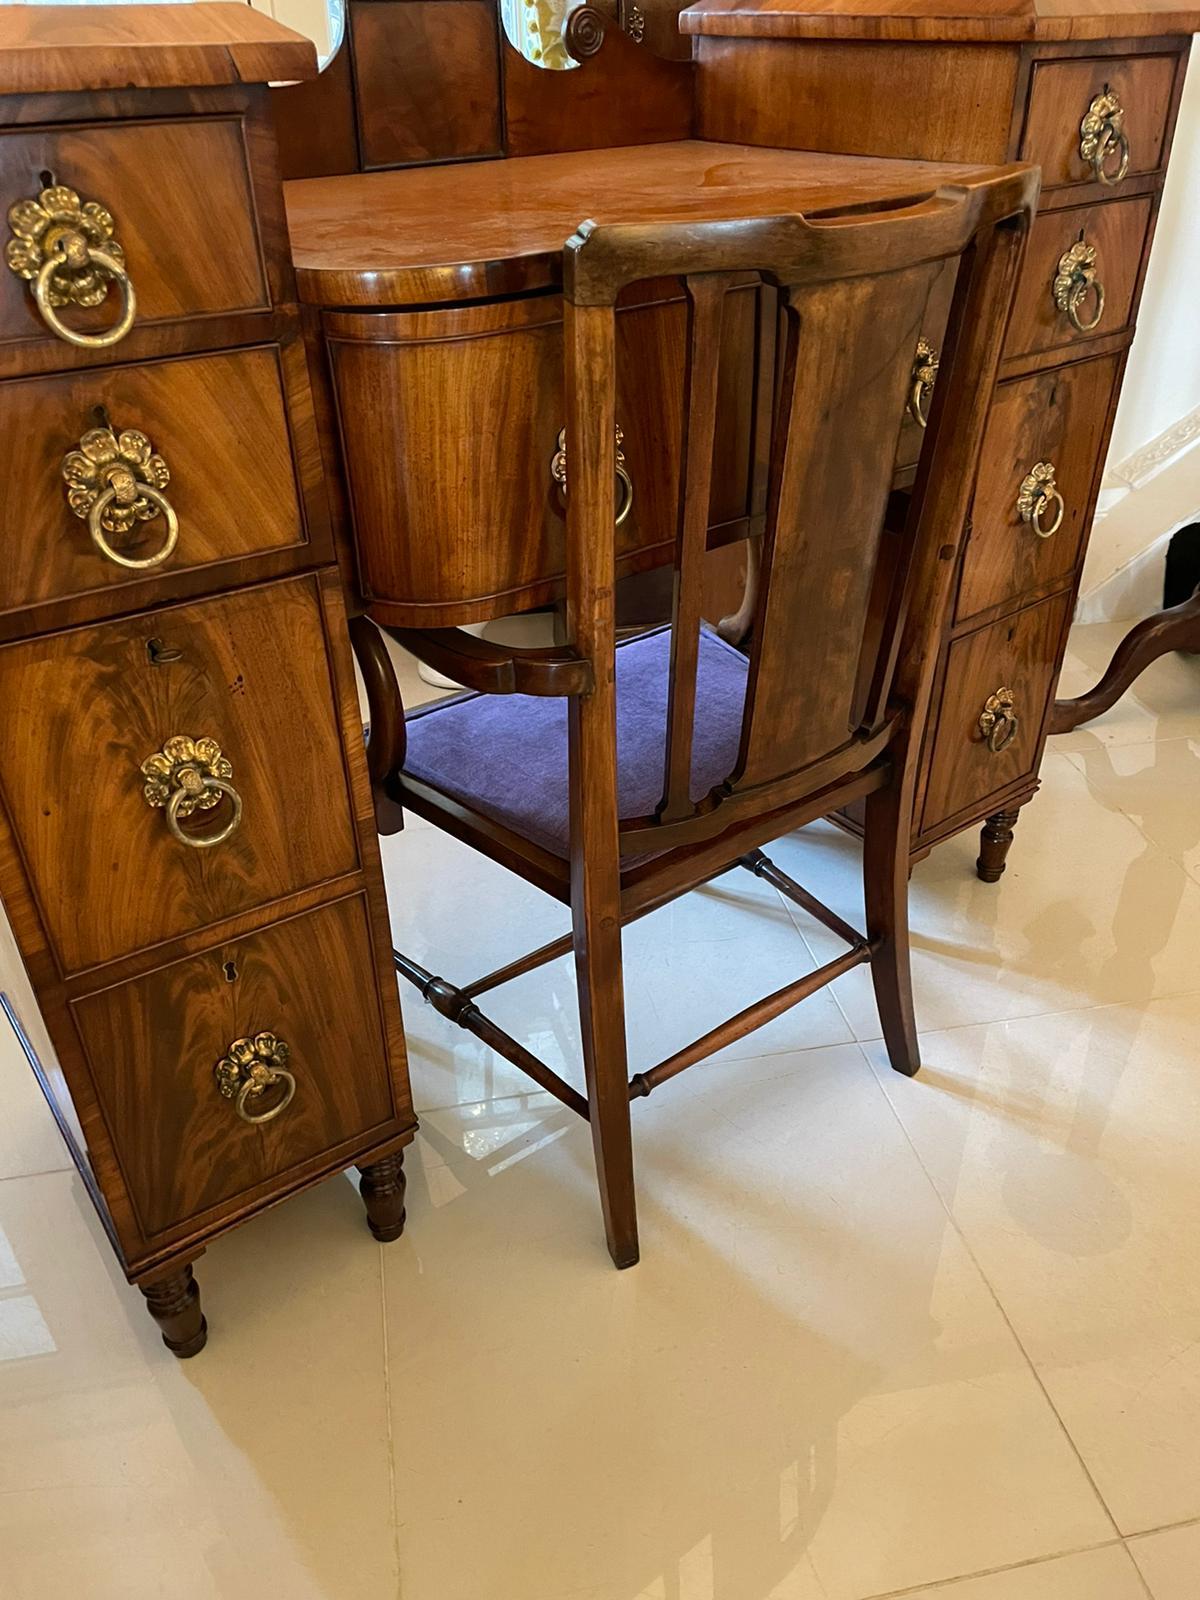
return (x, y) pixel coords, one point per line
(248, 1072)
(1039, 490)
(558, 471)
(1074, 280)
(189, 775)
(115, 469)
(924, 376)
(998, 721)
(1101, 134)
(67, 249)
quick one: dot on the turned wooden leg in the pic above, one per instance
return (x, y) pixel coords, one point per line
(994, 841)
(174, 1303)
(382, 1187)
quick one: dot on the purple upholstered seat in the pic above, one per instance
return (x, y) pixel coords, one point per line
(506, 755)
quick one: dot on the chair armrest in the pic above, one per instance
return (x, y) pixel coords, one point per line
(497, 669)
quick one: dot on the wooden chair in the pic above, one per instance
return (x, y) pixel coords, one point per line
(616, 777)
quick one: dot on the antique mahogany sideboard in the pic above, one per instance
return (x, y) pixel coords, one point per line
(433, 310)
(188, 855)
(235, 409)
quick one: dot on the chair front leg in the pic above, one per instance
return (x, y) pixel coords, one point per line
(887, 826)
(596, 923)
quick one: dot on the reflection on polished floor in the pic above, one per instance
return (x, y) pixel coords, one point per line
(928, 1338)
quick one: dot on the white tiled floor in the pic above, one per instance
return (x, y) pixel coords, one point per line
(937, 1338)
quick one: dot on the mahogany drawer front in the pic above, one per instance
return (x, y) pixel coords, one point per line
(183, 210)
(1055, 420)
(450, 424)
(85, 709)
(1062, 94)
(1117, 230)
(1017, 655)
(219, 423)
(154, 1045)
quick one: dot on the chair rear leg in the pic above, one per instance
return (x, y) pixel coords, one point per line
(602, 1026)
(886, 830)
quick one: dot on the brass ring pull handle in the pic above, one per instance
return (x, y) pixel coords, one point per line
(115, 481)
(558, 471)
(1102, 135)
(189, 775)
(65, 248)
(924, 376)
(248, 1073)
(998, 722)
(194, 788)
(1075, 281)
(1038, 491)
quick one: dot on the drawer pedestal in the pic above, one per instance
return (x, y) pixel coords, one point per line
(188, 856)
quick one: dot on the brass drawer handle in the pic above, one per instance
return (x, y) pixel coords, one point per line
(998, 722)
(1074, 281)
(558, 471)
(249, 1070)
(1039, 490)
(924, 376)
(115, 481)
(66, 249)
(1102, 136)
(189, 775)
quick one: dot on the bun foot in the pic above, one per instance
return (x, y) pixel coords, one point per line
(994, 843)
(174, 1303)
(382, 1187)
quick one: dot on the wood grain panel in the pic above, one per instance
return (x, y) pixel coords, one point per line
(219, 422)
(449, 423)
(315, 122)
(1118, 229)
(1061, 417)
(185, 217)
(1060, 94)
(384, 239)
(90, 705)
(153, 1043)
(624, 95)
(931, 102)
(427, 77)
(1019, 653)
(61, 48)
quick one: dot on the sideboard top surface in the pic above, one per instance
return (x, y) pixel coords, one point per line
(445, 233)
(64, 49)
(951, 21)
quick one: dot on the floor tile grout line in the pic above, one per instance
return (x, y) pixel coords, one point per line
(1040, 1016)
(992, 1572)
(1166, 1527)
(391, 1424)
(991, 1289)
(43, 1172)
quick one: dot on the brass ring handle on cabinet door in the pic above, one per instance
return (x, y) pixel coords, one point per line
(189, 775)
(558, 471)
(65, 248)
(1102, 135)
(998, 721)
(924, 376)
(114, 481)
(1076, 280)
(249, 1070)
(1038, 491)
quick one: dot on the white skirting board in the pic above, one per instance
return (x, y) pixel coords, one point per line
(1143, 501)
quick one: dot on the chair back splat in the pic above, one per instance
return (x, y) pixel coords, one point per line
(618, 776)
(853, 292)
